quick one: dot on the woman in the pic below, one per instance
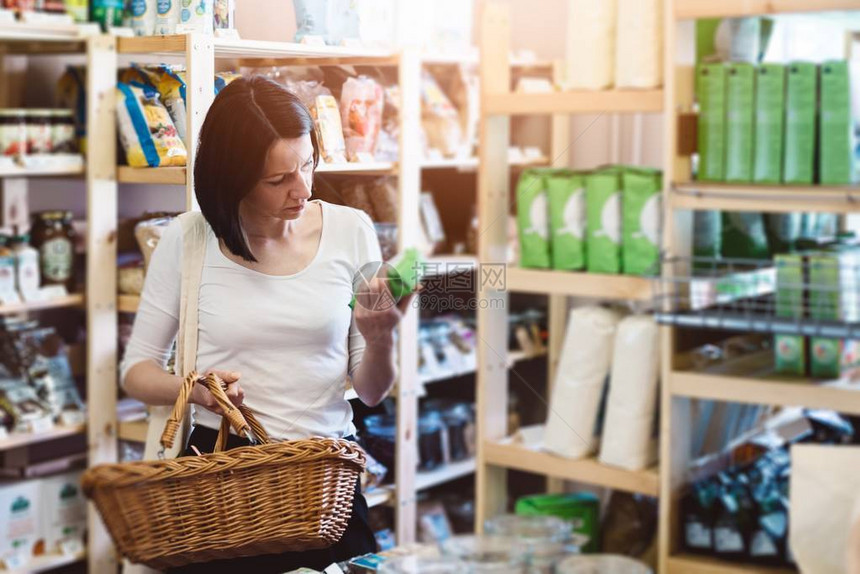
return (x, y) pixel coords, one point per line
(274, 316)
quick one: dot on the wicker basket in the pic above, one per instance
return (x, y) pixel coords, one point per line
(272, 498)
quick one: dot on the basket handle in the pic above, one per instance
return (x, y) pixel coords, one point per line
(232, 415)
(224, 431)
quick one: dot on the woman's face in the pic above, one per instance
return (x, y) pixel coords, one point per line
(285, 186)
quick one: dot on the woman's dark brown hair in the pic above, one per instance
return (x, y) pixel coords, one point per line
(246, 118)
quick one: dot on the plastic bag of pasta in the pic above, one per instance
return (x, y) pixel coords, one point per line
(146, 131)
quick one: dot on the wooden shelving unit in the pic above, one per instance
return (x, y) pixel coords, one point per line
(19, 440)
(69, 301)
(684, 195)
(152, 175)
(575, 284)
(443, 474)
(579, 102)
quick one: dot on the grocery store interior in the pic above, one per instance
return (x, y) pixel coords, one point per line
(544, 286)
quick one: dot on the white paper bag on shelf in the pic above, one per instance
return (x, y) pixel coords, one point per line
(627, 440)
(590, 44)
(825, 487)
(639, 44)
(582, 369)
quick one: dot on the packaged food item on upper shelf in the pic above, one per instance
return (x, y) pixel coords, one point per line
(27, 276)
(224, 14)
(13, 132)
(166, 16)
(223, 79)
(21, 411)
(170, 82)
(800, 123)
(148, 135)
(107, 13)
(20, 5)
(79, 10)
(71, 94)
(195, 16)
(769, 123)
(566, 203)
(532, 220)
(148, 232)
(711, 93)
(740, 84)
(641, 202)
(142, 13)
(361, 107)
(52, 234)
(8, 294)
(439, 118)
(329, 128)
(603, 191)
(836, 138)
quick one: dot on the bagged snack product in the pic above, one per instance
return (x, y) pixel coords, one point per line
(142, 17)
(329, 129)
(170, 83)
(148, 135)
(223, 79)
(361, 106)
(800, 123)
(641, 203)
(603, 207)
(20, 407)
(147, 233)
(532, 220)
(565, 191)
(357, 195)
(439, 119)
(43, 352)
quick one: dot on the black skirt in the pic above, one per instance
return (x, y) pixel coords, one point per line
(356, 540)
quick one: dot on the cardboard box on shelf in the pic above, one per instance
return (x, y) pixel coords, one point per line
(711, 93)
(790, 350)
(740, 81)
(769, 123)
(800, 100)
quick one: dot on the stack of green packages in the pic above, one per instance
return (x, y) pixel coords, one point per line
(769, 123)
(642, 217)
(800, 99)
(740, 83)
(532, 220)
(581, 509)
(790, 350)
(567, 219)
(835, 155)
(603, 209)
(833, 295)
(711, 91)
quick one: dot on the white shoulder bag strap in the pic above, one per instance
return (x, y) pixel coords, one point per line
(193, 252)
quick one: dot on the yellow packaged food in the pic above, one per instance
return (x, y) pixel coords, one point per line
(148, 135)
(170, 83)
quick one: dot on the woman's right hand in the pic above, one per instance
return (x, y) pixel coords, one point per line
(201, 396)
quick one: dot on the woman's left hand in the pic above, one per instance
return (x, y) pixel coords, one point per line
(377, 313)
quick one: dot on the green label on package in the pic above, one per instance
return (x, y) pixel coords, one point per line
(740, 79)
(800, 100)
(710, 91)
(532, 220)
(603, 209)
(567, 219)
(641, 209)
(769, 123)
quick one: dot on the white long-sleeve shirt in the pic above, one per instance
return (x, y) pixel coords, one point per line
(291, 337)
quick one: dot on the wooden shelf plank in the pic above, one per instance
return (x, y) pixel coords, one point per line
(75, 300)
(127, 303)
(765, 198)
(691, 564)
(574, 102)
(514, 357)
(371, 168)
(548, 282)
(49, 562)
(587, 470)
(443, 474)
(18, 440)
(840, 396)
(151, 44)
(471, 163)
(695, 9)
(43, 166)
(152, 175)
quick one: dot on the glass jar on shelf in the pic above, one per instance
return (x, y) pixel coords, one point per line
(53, 236)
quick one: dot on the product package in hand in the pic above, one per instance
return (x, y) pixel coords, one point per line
(404, 273)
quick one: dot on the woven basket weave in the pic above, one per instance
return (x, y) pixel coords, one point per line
(266, 499)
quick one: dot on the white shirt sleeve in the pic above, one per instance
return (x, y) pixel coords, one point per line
(157, 321)
(368, 251)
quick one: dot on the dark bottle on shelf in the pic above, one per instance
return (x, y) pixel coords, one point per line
(733, 523)
(697, 510)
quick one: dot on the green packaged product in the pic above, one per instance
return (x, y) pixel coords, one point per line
(835, 154)
(783, 231)
(581, 509)
(404, 274)
(800, 101)
(532, 220)
(107, 13)
(711, 93)
(641, 223)
(833, 288)
(740, 82)
(603, 227)
(790, 350)
(566, 197)
(744, 236)
(769, 123)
